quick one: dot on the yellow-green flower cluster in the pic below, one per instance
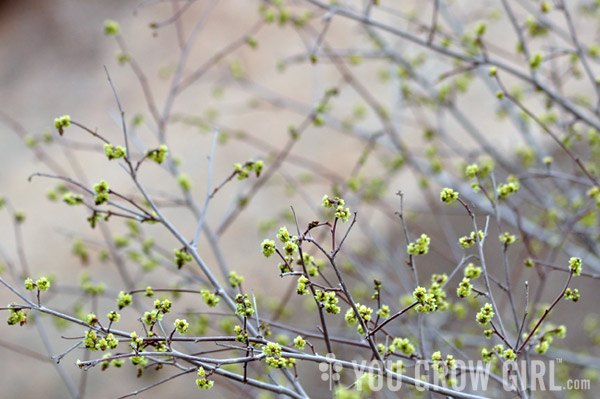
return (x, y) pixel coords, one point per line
(184, 182)
(243, 306)
(111, 28)
(484, 316)
(181, 325)
(338, 204)
(364, 311)
(594, 193)
(268, 247)
(469, 241)
(440, 365)
(471, 170)
(42, 284)
(448, 195)
(62, 122)
(210, 298)
(91, 319)
(203, 382)
(299, 342)
(241, 335)
(182, 257)
(427, 302)
(242, 171)
(573, 295)
(472, 272)
(235, 280)
(464, 288)
(124, 299)
(274, 359)
(507, 238)
(163, 306)
(403, 345)
(101, 189)
(508, 188)
(151, 317)
(575, 265)
(302, 285)
(158, 155)
(17, 316)
(113, 316)
(113, 152)
(384, 311)
(329, 301)
(72, 199)
(419, 247)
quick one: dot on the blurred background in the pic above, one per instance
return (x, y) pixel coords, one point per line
(53, 56)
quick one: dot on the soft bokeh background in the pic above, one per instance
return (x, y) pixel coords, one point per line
(52, 55)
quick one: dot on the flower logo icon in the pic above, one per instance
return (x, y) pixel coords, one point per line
(330, 370)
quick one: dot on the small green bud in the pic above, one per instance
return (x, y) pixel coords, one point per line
(111, 28)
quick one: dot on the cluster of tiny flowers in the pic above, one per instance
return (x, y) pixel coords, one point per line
(546, 339)
(507, 238)
(62, 122)
(329, 301)
(241, 336)
(302, 285)
(398, 367)
(427, 302)
(184, 182)
(274, 359)
(210, 298)
(242, 171)
(124, 299)
(203, 382)
(235, 280)
(338, 204)
(365, 313)
(419, 247)
(436, 291)
(440, 365)
(42, 284)
(72, 199)
(182, 257)
(384, 311)
(403, 345)
(268, 247)
(299, 342)
(16, 316)
(464, 288)
(163, 306)
(151, 317)
(136, 342)
(111, 28)
(181, 325)
(448, 195)
(158, 155)
(469, 241)
(573, 295)
(472, 271)
(113, 152)
(91, 319)
(471, 170)
(594, 193)
(575, 265)
(94, 343)
(115, 362)
(484, 316)
(101, 189)
(243, 306)
(113, 316)
(508, 188)
(149, 292)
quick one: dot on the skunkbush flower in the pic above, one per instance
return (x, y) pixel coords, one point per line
(101, 189)
(203, 382)
(507, 238)
(448, 195)
(573, 295)
(158, 155)
(210, 298)
(124, 299)
(62, 122)
(17, 316)
(575, 265)
(508, 188)
(113, 152)
(485, 315)
(181, 325)
(403, 345)
(420, 246)
(268, 247)
(184, 182)
(243, 306)
(472, 272)
(469, 241)
(235, 280)
(464, 288)
(113, 316)
(299, 343)
(182, 257)
(111, 28)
